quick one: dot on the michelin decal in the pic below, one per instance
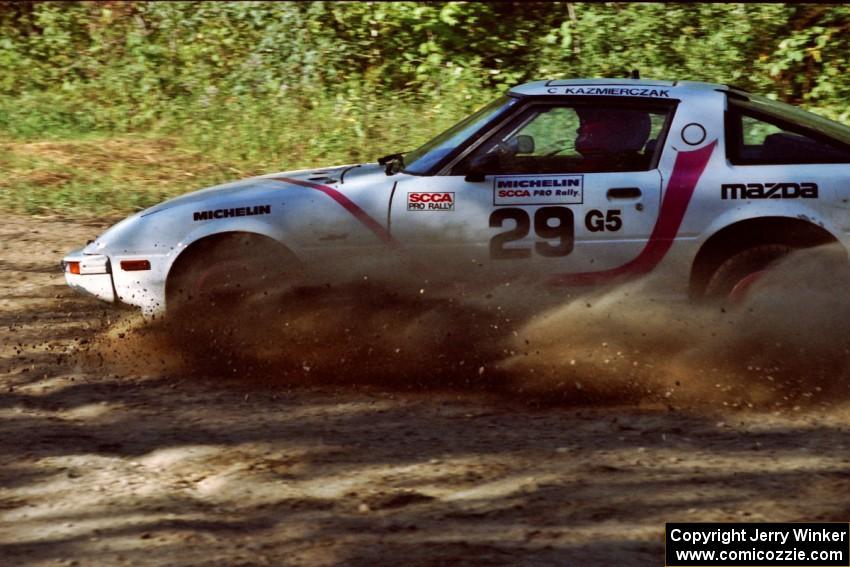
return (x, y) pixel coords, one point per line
(538, 190)
(234, 212)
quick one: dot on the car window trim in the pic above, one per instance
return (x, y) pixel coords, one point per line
(662, 135)
(439, 166)
(468, 147)
(733, 130)
(530, 101)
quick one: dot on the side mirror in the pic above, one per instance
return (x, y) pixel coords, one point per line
(480, 166)
(524, 144)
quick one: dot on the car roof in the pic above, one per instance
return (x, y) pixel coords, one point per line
(675, 88)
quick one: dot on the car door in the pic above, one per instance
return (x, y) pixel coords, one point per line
(524, 197)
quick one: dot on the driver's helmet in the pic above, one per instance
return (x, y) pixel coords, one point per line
(611, 131)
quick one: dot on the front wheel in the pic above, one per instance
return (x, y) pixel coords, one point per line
(227, 272)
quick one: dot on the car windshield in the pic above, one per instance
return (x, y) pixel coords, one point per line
(422, 160)
(809, 120)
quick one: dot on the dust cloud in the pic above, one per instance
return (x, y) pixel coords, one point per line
(382, 324)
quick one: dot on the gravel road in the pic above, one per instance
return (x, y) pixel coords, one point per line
(114, 450)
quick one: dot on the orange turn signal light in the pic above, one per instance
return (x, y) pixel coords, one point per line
(73, 267)
(135, 265)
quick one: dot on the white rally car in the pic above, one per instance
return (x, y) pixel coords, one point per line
(591, 181)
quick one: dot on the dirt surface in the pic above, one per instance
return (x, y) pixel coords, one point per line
(105, 460)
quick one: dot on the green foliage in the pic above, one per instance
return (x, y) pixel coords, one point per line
(94, 175)
(284, 84)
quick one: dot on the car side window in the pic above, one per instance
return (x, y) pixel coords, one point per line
(753, 139)
(573, 138)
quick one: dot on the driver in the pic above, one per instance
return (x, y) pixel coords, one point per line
(611, 139)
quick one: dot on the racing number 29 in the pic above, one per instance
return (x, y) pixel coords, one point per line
(563, 232)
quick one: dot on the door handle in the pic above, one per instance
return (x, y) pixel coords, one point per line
(624, 193)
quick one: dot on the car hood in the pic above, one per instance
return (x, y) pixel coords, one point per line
(325, 175)
(351, 178)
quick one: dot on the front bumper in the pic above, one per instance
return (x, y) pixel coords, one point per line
(109, 279)
(94, 277)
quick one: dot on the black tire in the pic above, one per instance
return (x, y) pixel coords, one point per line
(742, 264)
(225, 272)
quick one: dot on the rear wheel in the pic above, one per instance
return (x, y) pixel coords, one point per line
(732, 280)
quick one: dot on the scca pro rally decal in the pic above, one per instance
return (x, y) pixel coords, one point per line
(234, 212)
(538, 190)
(769, 191)
(430, 201)
(610, 91)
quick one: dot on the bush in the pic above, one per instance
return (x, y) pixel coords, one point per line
(267, 85)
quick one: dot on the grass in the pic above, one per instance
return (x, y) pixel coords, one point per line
(87, 174)
(92, 177)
